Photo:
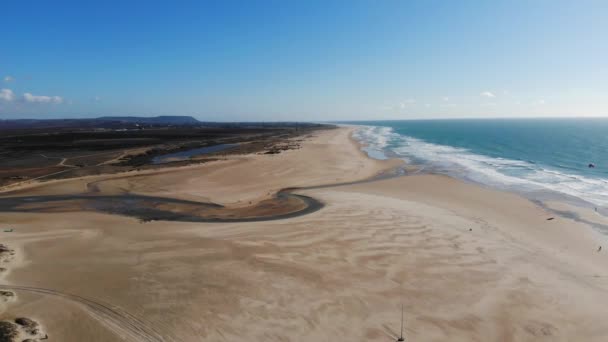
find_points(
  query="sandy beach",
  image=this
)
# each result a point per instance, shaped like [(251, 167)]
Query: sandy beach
[(466, 262)]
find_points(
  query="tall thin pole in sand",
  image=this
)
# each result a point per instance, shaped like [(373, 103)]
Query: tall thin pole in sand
[(401, 320), (401, 335)]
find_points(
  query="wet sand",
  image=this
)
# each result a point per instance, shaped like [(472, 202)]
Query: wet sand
[(467, 263)]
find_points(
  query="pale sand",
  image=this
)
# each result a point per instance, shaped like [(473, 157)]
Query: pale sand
[(339, 273)]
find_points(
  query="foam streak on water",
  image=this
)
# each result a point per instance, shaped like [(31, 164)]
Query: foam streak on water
[(525, 176)]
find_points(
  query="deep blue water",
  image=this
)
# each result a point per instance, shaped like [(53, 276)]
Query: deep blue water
[(525, 154)]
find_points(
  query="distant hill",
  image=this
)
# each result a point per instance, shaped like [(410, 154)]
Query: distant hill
[(135, 122), (101, 122), (165, 119)]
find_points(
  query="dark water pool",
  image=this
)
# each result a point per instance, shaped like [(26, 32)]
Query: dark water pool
[(184, 155)]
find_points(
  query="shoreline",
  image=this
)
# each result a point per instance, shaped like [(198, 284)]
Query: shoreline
[(467, 263), (476, 172), (555, 203), (570, 206)]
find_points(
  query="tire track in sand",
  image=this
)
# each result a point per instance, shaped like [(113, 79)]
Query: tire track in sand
[(119, 321)]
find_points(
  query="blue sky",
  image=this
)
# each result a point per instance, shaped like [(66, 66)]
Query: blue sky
[(304, 60)]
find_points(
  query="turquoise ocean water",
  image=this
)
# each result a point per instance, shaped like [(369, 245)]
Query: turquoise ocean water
[(538, 157)]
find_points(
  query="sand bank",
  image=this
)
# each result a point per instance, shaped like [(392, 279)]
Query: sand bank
[(467, 263)]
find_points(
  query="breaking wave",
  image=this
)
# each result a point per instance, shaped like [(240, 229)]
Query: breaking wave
[(383, 142)]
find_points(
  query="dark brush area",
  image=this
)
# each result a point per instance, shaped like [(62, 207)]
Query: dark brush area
[(51, 149)]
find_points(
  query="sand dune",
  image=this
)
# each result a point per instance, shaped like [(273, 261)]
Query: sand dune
[(467, 263)]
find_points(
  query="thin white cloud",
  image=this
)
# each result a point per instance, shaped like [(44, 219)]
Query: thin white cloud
[(8, 78), (401, 105), (7, 95), (445, 98), (407, 102), (487, 94), (540, 102), (97, 98), (28, 97)]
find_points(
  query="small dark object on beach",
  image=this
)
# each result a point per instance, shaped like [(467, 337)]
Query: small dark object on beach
[(8, 331), (470, 229), (30, 326), (591, 165), (26, 322), (4, 293), (599, 249), (550, 218)]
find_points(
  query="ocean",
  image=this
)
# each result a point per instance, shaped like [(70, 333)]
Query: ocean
[(539, 158)]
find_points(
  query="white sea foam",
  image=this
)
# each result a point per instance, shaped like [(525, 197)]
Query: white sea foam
[(497, 172), (375, 140)]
